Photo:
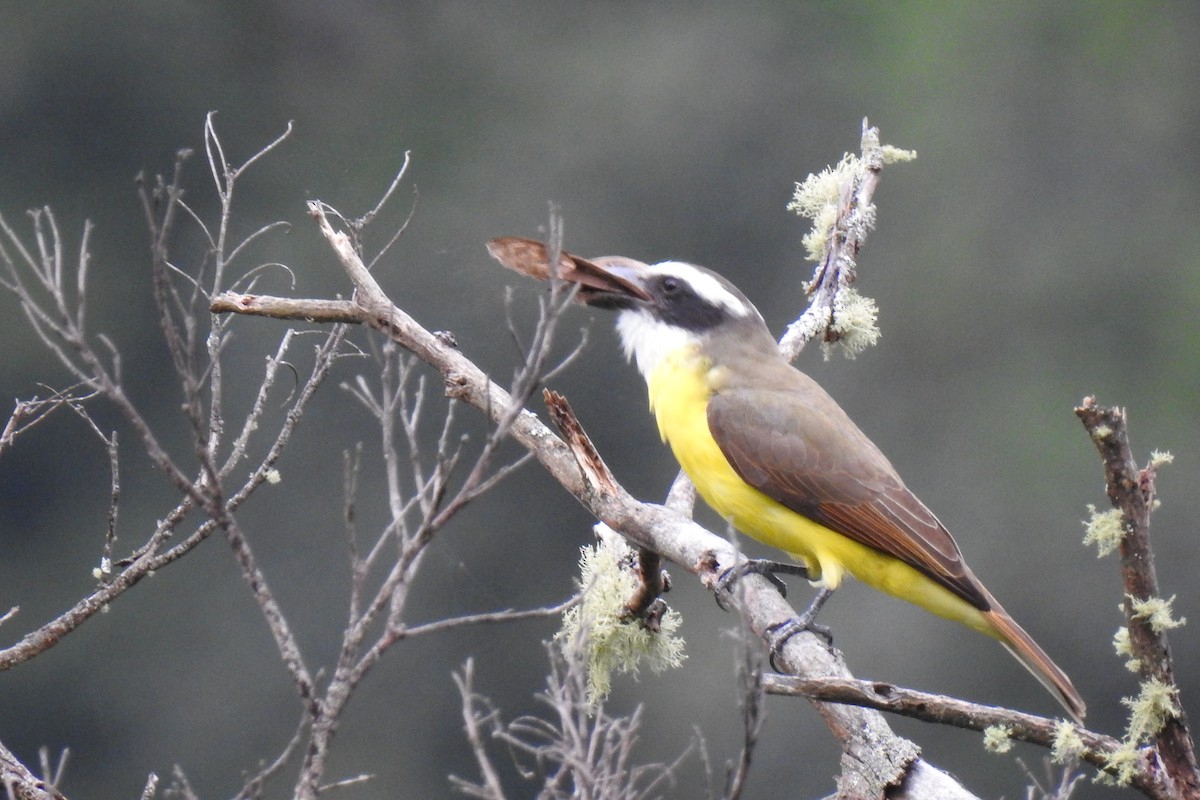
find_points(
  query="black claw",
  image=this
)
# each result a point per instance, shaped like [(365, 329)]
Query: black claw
[(758, 566), (780, 634)]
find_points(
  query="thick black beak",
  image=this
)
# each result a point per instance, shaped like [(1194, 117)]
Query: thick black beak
[(607, 282)]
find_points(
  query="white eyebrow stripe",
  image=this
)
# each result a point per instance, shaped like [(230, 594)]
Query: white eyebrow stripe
[(706, 286)]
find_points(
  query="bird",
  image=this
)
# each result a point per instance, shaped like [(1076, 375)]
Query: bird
[(772, 452)]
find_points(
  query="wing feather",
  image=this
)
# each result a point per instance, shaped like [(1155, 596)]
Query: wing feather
[(797, 446)]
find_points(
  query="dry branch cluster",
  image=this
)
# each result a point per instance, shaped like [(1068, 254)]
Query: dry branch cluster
[(577, 749)]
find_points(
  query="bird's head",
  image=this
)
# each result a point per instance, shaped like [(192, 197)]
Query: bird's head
[(660, 307)]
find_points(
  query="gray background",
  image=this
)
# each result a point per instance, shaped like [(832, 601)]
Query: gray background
[(1042, 247)]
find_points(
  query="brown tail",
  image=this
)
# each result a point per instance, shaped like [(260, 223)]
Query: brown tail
[(1022, 645)]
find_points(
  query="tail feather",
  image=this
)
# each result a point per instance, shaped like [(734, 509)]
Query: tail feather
[(1021, 644)]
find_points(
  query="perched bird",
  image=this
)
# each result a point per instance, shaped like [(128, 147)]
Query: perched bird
[(772, 452)]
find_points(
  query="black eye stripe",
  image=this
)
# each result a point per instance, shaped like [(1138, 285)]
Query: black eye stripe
[(680, 305)]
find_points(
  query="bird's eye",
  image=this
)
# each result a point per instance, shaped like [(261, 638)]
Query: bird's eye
[(670, 285)]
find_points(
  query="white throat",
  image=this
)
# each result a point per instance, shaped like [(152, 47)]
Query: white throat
[(647, 341)]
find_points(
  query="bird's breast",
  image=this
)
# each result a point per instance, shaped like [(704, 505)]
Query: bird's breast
[(680, 387)]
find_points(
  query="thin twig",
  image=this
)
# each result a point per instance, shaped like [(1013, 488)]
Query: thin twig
[(114, 505), (486, 618), (89, 368), (750, 679), (253, 786), (151, 787), (473, 722)]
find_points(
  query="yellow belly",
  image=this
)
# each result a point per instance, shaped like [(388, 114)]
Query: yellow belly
[(679, 397)]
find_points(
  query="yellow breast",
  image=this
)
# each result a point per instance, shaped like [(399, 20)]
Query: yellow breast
[(680, 387)]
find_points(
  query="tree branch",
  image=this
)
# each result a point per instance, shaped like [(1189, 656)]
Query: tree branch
[(1131, 490), (942, 710)]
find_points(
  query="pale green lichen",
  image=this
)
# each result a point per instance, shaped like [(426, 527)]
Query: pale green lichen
[(897, 155), (598, 629), (1067, 746), (1124, 647), (855, 321), (1159, 458), (1105, 529), (105, 569), (1122, 765), (817, 198), (823, 188), (997, 738), (829, 198), (1157, 613), (1149, 711), (817, 238)]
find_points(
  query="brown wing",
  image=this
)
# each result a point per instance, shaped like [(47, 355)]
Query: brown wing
[(796, 445)]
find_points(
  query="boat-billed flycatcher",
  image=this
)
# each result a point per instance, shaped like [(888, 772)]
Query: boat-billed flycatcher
[(772, 453)]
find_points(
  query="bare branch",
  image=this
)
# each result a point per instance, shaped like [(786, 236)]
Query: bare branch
[(147, 558), (270, 227), (366, 218), (151, 787), (53, 775), (577, 751), (488, 618), (19, 782), (289, 648), (473, 720), (939, 709), (254, 785), (288, 308), (750, 679), (1061, 789), (237, 451), (28, 413), (180, 785), (114, 505), (267, 149), (352, 781)]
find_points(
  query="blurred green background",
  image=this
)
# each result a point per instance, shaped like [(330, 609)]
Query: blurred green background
[(1043, 247)]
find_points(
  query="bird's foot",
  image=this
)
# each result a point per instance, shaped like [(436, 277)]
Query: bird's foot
[(778, 635), (758, 566)]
